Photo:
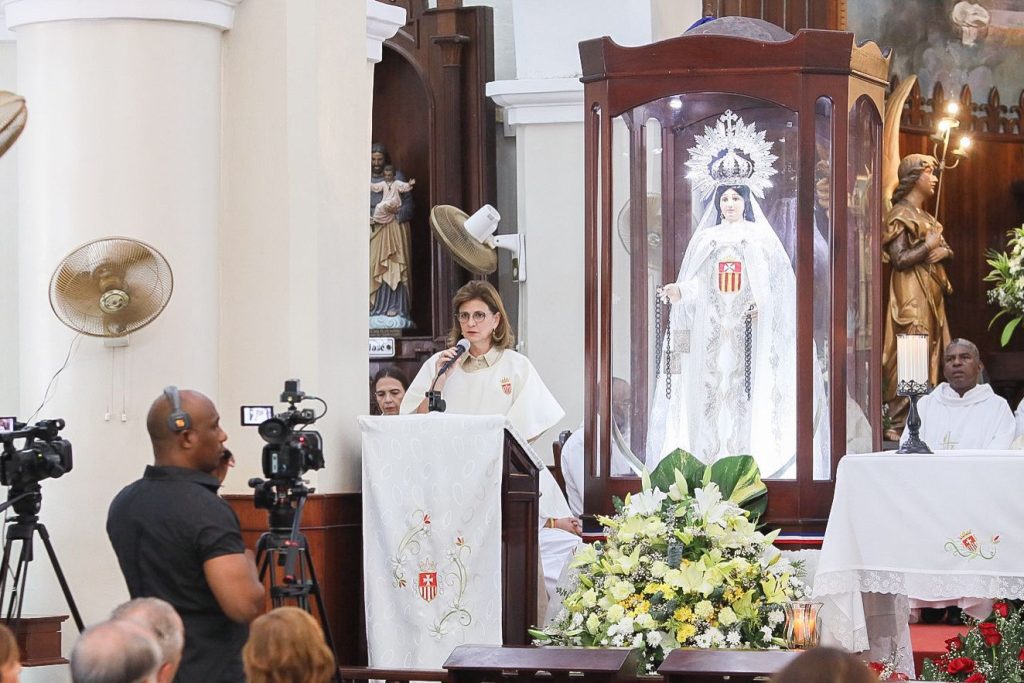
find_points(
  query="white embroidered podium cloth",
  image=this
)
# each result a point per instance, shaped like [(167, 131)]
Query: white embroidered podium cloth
[(935, 527), (431, 535)]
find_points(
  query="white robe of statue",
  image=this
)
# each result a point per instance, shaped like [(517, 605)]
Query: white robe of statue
[(703, 401)]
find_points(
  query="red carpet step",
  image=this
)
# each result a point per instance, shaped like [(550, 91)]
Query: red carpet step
[(929, 641)]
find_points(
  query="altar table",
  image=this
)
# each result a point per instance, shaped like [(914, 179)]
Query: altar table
[(935, 527)]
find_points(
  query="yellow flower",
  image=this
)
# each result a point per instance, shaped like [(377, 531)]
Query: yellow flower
[(621, 590), (704, 610), (616, 612), (593, 623), (683, 614), (642, 607), (589, 598), (726, 617), (685, 632)]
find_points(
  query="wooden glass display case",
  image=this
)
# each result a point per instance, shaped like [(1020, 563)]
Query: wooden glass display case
[(732, 250)]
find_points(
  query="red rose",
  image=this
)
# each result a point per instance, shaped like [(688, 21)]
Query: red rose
[(960, 665), (975, 677), (878, 667), (954, 643), (990, 633), (1020, 655), (899, 676), (1002, 609)]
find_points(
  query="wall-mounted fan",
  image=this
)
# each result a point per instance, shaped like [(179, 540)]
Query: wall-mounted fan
[(653, 232), (110, 287), (13, 115), (472, 241)]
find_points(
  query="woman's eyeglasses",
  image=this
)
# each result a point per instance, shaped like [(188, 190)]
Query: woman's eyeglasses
[(475, 316)]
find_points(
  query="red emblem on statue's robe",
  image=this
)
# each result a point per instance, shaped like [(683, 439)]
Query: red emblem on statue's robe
[(506, 386), (428, 585), (730, 276)]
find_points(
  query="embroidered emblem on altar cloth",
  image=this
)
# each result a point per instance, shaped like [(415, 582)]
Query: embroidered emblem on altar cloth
[(428, 580), (730, 276), (970, 547), (506, 386)]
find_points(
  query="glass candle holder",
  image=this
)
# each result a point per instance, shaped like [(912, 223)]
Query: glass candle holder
[(802, 630)]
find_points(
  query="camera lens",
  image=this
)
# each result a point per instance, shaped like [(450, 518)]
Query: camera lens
[(273, 429)]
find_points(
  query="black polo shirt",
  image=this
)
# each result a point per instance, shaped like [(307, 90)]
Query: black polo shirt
[(163, 528)]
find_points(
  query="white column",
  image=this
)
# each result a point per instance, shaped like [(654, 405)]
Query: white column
[(123, 139)]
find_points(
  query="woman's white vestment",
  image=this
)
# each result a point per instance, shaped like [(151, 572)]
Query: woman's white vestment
[(506, 383)]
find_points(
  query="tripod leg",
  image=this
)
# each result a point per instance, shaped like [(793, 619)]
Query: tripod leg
[(4, 567), (18, 578), (315, 589), (44, 534)]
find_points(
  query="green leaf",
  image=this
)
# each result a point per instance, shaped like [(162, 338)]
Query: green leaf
[(664, 475), (738, 478), (538, 635), (998, 315), (1008, 330)]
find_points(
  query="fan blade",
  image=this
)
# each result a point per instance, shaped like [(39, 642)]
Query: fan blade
[(13, 115)]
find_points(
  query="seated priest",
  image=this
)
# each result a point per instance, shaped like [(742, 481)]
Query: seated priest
[(493, 379), (624, 464), (961, 414)]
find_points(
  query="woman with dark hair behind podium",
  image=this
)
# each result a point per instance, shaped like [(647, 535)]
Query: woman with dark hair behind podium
[(493, 379), (388, 387)]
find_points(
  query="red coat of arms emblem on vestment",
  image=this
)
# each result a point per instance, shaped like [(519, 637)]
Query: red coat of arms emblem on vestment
[(506, 386), (730, 276)]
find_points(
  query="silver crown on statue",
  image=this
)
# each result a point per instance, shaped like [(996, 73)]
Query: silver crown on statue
[(731, 153)]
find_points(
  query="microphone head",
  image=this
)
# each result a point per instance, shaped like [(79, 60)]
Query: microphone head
[(462, 345)]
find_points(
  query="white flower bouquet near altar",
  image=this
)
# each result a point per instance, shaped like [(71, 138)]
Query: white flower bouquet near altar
[(683, 566), (1008, 275)]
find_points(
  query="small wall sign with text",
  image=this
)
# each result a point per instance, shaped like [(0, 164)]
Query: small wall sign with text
[(382, 347)]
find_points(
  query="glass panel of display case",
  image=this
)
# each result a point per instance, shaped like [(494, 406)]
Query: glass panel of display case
[(864, 209), (707, 338), (636, 272), (822, 234)]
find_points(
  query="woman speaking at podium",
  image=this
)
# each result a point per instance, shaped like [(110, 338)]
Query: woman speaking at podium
[(493, 379)]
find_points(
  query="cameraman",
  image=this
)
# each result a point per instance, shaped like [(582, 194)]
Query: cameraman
[(177, 540)]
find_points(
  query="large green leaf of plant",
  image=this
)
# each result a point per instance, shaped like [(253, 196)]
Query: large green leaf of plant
[(737, 476)]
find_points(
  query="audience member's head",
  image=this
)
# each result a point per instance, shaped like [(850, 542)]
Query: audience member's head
[(115, 651), (825, 665), (286, 645), (388, 387), (961, 365), (10, 657), (164, 623)]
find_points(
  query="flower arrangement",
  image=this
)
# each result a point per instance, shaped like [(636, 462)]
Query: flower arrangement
[(991, 651), (1008, 276), (683, 566)]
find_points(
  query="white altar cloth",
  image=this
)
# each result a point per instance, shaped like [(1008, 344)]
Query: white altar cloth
[(431, 536), (935, 527)]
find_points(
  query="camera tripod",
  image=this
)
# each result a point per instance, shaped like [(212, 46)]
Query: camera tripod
[(23, 528), (284, 560)]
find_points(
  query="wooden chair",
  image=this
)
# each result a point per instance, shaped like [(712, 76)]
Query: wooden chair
[(1006, 375)]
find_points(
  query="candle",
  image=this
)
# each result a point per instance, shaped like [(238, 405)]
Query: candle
[(912, 358), (802, 624)]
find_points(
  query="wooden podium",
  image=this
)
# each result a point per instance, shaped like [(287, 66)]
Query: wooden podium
[(429, 479)]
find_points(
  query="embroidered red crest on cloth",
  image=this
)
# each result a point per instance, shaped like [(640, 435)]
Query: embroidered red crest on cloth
[(428, 585), (506, 386), (730, 276)]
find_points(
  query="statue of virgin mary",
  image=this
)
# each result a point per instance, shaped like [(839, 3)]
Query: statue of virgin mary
[(727, 368)]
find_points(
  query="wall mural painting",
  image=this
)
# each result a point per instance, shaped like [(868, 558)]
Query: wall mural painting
[(953, 42)]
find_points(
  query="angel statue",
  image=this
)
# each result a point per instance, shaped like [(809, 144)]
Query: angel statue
[(916, 250), (727, 373)]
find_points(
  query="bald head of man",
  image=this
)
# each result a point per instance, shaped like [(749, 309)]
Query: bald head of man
[(117, 651), (198, 447)]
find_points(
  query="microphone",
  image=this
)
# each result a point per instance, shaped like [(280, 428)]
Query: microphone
[(460, 349), (436, 404)]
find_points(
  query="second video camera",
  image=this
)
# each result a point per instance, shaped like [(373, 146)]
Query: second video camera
[(291, 450), (43, 455)]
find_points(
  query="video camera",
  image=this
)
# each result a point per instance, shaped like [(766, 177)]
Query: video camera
[(42, 456)]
